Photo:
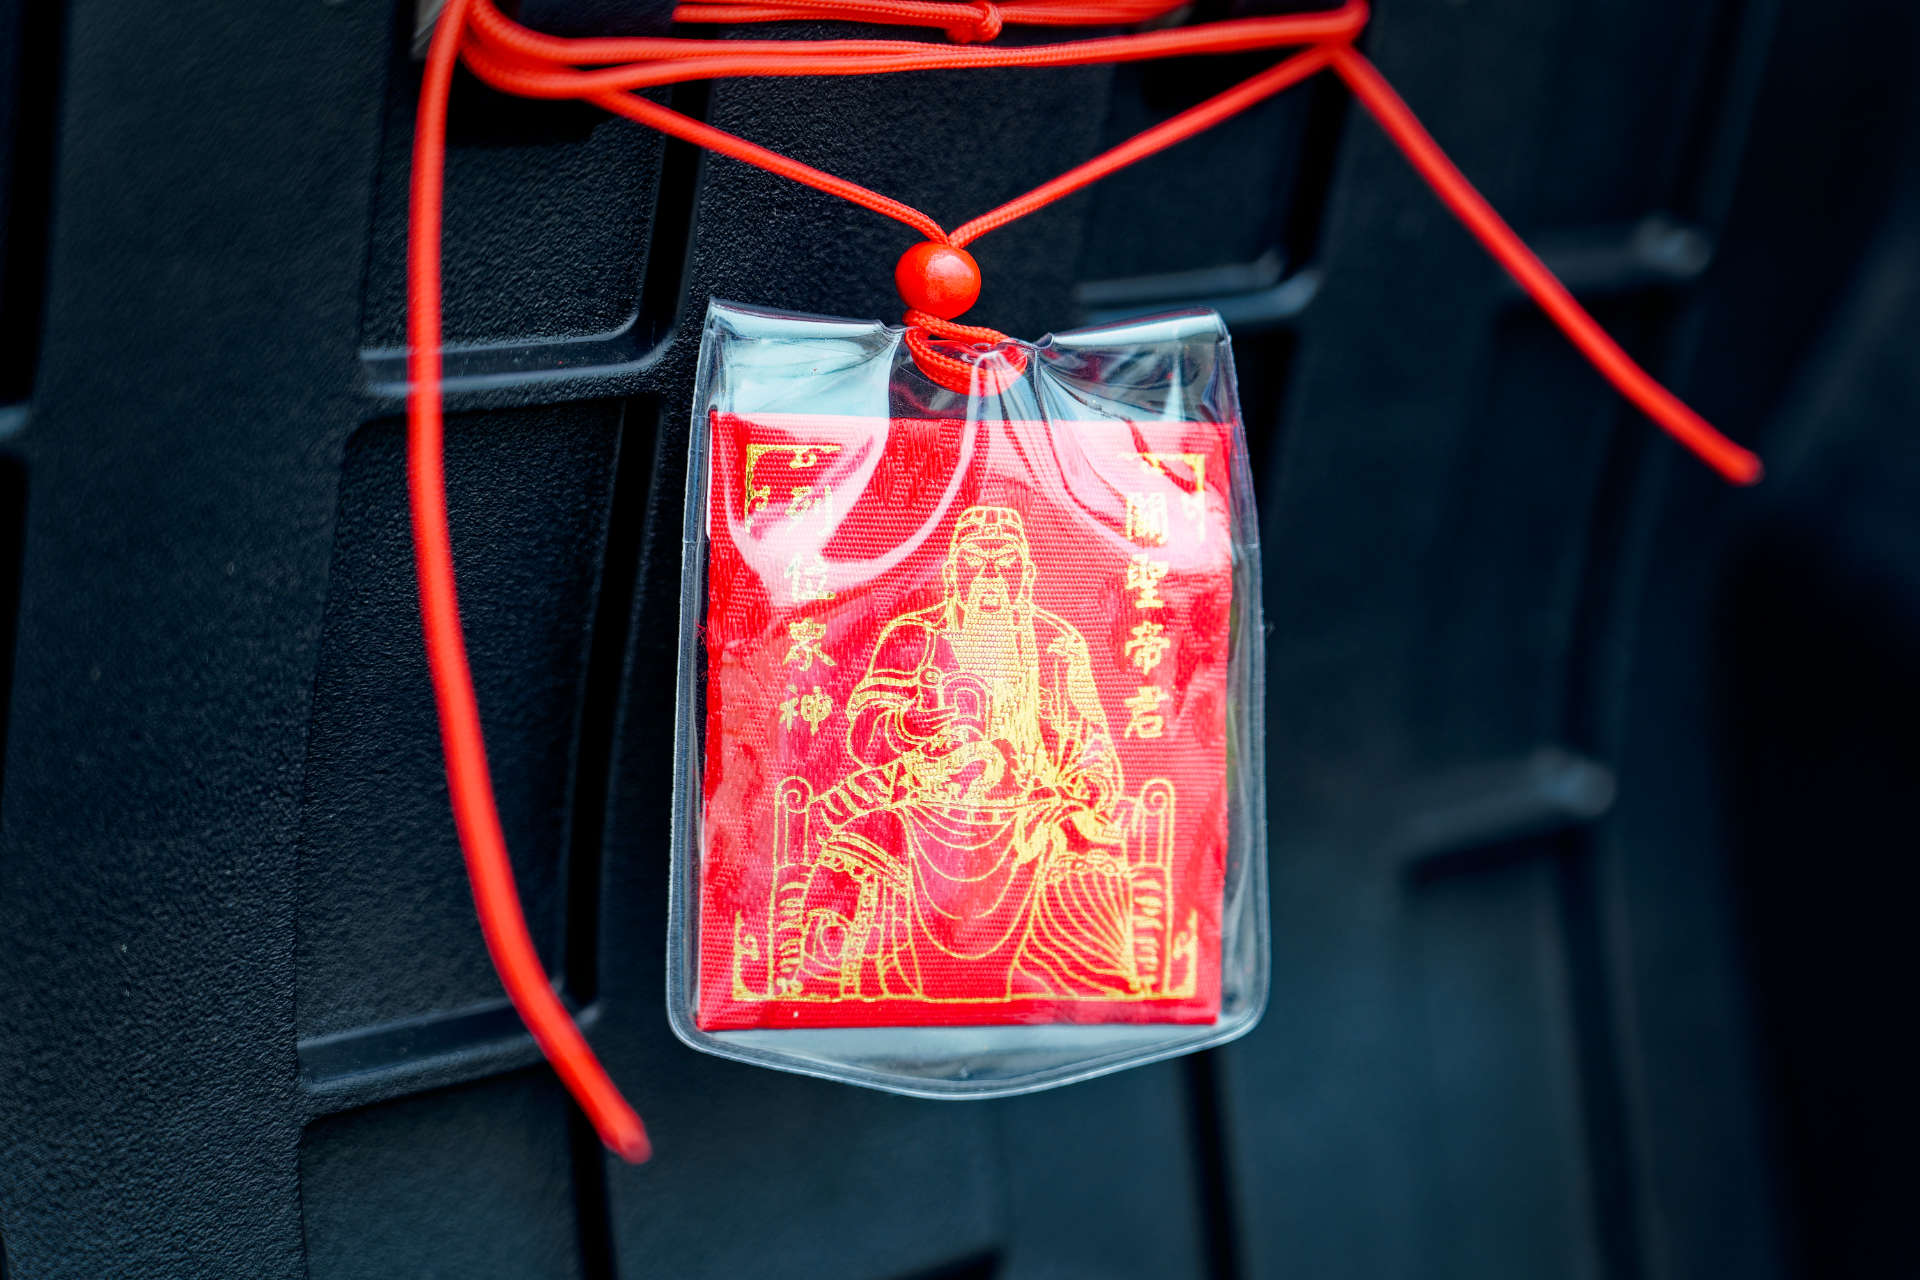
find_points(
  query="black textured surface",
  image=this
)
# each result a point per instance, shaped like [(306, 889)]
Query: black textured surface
[(414, 1158), (13, 512), (531, 487), (29, 87), (553, 200), (1589, 776)]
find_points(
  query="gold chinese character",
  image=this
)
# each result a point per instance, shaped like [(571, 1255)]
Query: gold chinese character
[(807, 578), (1148, 646), (1143, 713), (1147, 519), (1143, 576), (805, 499), (806, 635), (1192, 501), (813, 707), (799, 457)]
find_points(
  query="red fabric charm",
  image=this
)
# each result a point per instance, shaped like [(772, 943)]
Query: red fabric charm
[(966, 722)]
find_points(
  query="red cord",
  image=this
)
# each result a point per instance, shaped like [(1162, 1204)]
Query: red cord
[(468, 783), (1733, 462), (516, 60), (961, 22), (930, 340), (609, 71), (1161, 136)]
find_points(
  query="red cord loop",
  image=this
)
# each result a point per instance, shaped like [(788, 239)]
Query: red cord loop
[(969, 359)]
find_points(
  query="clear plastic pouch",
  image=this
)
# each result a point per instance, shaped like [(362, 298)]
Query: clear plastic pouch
[(969, 797)]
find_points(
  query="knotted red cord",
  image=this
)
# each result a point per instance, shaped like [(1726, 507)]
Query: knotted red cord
[(961, 22), (932, 340), (609, 71)]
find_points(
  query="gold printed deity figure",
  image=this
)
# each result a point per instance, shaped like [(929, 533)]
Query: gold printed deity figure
[(973, 854)]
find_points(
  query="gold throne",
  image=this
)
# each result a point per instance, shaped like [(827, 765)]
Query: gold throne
[(766, 963)]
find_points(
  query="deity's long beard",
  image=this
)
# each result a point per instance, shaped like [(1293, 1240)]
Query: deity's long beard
[(995, 644), (997, 648)]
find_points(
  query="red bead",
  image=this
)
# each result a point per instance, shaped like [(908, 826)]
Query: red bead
[(938, 279)]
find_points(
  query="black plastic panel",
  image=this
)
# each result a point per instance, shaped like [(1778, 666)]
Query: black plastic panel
[(13, 511), (1587, 775), (29, 86), (498, 1149), (529, 490)]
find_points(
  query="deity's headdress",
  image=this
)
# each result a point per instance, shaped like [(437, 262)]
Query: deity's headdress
[(988, 522)]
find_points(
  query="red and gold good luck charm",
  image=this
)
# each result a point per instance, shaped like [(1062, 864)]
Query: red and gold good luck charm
[(969, 700), (966, 708)]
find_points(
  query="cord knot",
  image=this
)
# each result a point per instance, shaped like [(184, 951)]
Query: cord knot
[(984, 361), (983, 28)]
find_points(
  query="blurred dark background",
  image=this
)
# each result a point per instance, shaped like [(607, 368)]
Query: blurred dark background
[(1591, 779)]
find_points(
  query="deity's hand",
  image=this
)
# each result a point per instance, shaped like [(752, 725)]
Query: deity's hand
[(1090, 791), (1042, 827), (923, 724), (937, 730)]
